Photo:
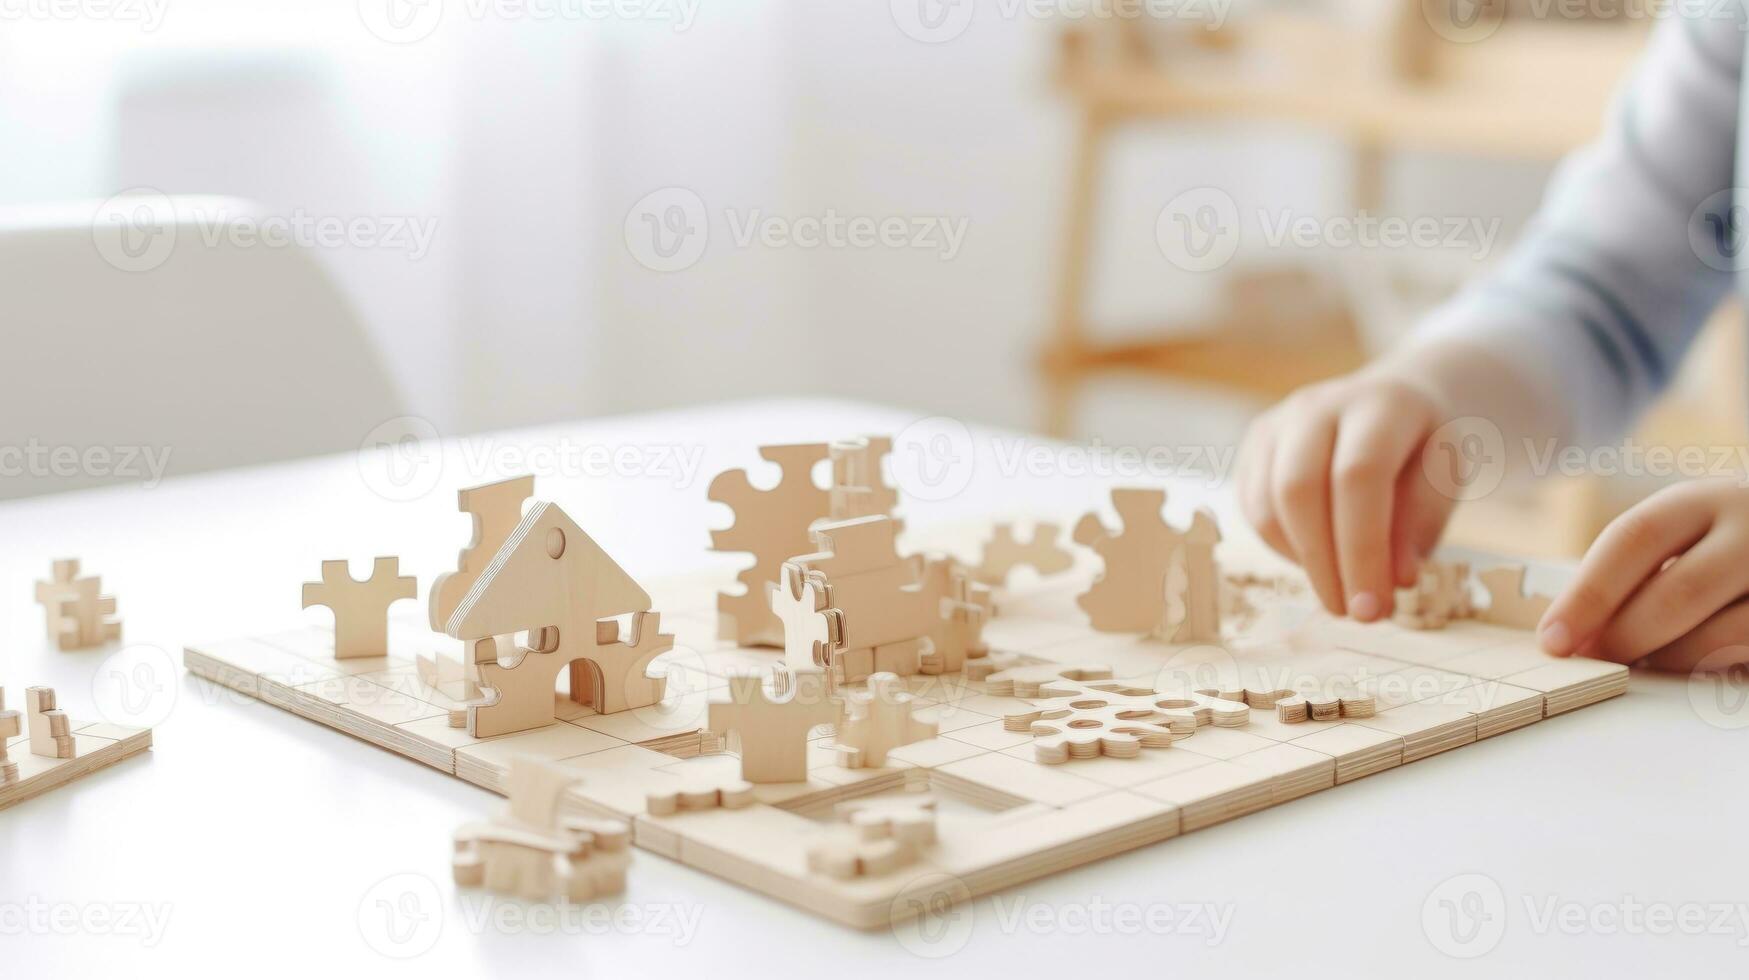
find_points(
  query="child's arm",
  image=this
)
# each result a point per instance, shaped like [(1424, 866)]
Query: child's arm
[(1568, 340)]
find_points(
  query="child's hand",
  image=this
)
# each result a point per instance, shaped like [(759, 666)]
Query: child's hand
[(1331, 478), (1663, 579)]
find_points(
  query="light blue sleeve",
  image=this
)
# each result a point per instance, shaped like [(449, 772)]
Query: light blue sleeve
[(1632, 248)]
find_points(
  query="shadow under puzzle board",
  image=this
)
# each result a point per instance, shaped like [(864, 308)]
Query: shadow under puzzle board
[(1003, 818), (97, 744)]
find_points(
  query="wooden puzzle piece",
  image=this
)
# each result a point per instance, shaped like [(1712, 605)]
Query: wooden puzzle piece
[(361, 609), (872, 723), (771, 525), (1508, 605), (813, 629), (1004, 552), (875, 837), (626, 657), (1200, 596), (887, 615), (496, 509), (530, 852), (51, 735), (1292, 707), (1441, 594), (774, 730), (10, 727), (553, 581), (1027, 680), (76, 614), (1086, 719), (858, 488), (962, 608), (1129, 596), (728, 796)]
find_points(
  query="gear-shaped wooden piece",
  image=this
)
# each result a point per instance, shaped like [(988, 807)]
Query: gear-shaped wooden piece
[(1086, 719)]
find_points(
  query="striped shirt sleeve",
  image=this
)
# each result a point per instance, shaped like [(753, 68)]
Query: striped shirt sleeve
[(1633, 246)]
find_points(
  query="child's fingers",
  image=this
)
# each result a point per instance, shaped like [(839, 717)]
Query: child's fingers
[(1628, 551), (1372, 441), (1725, 634), (1417, 521), (1684, 594), (1254, 488), (1300, 481)]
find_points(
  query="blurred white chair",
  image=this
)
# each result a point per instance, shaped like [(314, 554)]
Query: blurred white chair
[(139, 324)]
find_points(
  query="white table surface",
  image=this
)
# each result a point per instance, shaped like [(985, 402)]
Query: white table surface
[(265, 843)]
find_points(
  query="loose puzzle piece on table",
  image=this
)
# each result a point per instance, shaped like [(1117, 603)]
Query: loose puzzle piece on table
[(1005, 552), (1440, 595), (77, 615), (361, 609), (771, 525), (874, 837), (531, 852)]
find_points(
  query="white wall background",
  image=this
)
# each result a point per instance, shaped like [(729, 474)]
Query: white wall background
[(527, 139)]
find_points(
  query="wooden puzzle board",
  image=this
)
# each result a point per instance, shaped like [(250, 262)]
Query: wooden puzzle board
[(98, 744), (1004, 818)]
